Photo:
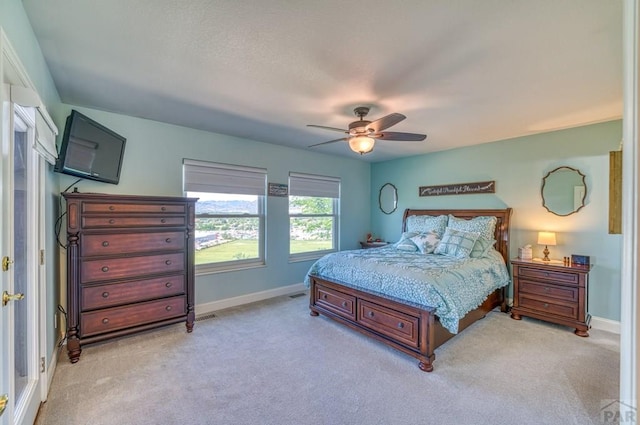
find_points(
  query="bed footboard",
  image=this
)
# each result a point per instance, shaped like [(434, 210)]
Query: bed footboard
[(414, 331)]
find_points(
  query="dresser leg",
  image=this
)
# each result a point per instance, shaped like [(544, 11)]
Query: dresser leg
[(581, 333), (73, 349), (314, 313), (425, 367), (515, 316)]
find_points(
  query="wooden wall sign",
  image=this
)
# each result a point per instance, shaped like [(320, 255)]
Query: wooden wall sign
[(458, 189), (277, 189)]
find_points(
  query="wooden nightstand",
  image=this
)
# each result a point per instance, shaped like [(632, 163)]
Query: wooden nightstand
[(552, 292), (367, 245)]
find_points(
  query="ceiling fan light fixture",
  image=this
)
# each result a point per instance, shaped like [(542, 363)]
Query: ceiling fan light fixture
[(361, 144)]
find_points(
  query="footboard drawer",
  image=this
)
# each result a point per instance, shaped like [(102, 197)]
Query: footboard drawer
[(399, 326), (335, 301)]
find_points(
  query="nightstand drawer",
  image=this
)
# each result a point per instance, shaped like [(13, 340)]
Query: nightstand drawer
[(569, 310), (570, 278), (568, 293)]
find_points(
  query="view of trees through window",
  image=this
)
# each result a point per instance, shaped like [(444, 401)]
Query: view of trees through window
[(311, 224)]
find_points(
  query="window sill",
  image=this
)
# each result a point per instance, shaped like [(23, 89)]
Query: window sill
[(206, 269), (311, 256)]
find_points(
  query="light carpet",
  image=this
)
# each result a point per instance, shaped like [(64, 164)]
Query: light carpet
[(272, 363)]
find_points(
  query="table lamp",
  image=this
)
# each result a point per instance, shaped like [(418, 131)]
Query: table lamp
[(546, 239)]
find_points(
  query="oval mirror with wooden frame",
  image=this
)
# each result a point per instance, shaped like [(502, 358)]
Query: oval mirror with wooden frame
[(564, 191)]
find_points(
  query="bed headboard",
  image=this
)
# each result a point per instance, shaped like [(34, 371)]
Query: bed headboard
[(502, 226)]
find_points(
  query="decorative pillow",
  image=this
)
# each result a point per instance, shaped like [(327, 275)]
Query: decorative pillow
[(456, 243), (485, 225), (405, 243), (481, 247), (426, 242), (427, 223)]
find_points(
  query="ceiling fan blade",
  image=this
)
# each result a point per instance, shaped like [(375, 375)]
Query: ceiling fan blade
[(385, 122), (394, 135), (341, 130), (330, 141)]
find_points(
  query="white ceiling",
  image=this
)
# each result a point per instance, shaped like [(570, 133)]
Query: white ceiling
[(462, 71)]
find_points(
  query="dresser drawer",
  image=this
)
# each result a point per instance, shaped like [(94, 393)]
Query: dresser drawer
[(112, 319), (109, 295), (119, 268), (547, 306), (116, 207), (569, 278), (109, 244), (389, 322), (568, 293), (128, 221), (336, 301)]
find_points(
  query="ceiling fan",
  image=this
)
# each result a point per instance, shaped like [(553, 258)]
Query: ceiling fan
[(362, 134)]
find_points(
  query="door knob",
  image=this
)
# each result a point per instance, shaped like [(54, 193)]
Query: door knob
[(4, 399), (5, 263), (6, 297)]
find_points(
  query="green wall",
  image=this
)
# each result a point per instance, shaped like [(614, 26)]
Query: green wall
[(518, 166)]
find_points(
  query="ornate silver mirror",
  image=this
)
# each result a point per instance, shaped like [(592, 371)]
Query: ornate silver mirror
[(564, 191), (388, 198)]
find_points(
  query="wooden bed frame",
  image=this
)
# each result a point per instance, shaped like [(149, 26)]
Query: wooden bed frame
[(412, 330)]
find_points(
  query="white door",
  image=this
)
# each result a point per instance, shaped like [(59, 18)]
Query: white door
[(20, 379)]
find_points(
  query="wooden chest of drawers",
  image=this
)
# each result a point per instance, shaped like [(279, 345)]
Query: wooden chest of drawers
[(129, 265), (552, 292)]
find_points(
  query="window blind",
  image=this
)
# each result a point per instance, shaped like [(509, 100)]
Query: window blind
[(313, 185), (202, 176)]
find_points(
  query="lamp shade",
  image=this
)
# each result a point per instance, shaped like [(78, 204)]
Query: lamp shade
[(546, 238), (361, 144)]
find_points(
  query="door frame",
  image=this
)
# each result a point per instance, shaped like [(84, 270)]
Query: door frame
[(13, 72)]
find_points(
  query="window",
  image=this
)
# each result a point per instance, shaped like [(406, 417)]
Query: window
[(313, 215), (229, 214)]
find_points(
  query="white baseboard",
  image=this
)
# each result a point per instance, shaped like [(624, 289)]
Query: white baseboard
[(603, 324), (210, 307)]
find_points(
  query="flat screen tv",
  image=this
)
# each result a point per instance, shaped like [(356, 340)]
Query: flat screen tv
[(90, 150)]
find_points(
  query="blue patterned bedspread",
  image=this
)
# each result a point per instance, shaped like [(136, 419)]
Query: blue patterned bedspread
[(450, 286)]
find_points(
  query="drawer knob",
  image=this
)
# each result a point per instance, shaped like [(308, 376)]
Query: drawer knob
[(546, 305), (324, 296), (547, 289), (546, 274), (370, 314), (168, 240), (105, 295), (400, 325), (344, 304), (163, 208), (112, 221), (168, 284), (168, 308), (105, 321), (162, 220), (105, 244), (105, 269), (168, 262), (111, 208)]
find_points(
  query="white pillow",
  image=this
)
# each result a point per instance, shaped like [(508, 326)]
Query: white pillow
[(426, 242)]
